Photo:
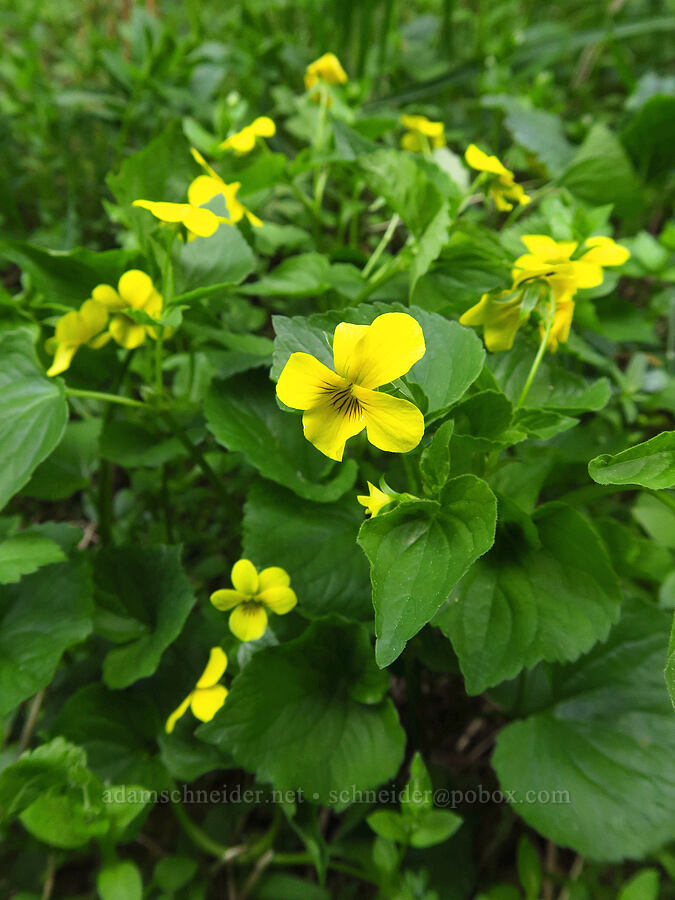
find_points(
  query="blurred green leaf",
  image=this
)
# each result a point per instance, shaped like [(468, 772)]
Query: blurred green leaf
[(33, 412)]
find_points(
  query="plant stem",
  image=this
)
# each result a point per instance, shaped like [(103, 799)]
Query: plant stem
[(159, 384), (29, 724), (239, 855), (200, 838), (378, 251), (109, 398), (304, 859), (538, 358)]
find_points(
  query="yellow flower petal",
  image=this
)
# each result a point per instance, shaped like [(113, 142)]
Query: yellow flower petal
[(605, 252), (375, 500), (587, 274), (201, 222), (481, 161), (279, 599), (153, 304), (226, 598), (198, 158), (273, 577), (304, 381), (126, 332), (135, 288), (100, 341), (166, 212), (329, 427), (391, 423), (500, 320), (235, 208), (345, 339), (264, 127), (390, 347), (177, 713), (548, 250), (562, 321), (248, 622), (244, 577), (94, 317), (108, 296), (242, 142), (326, 68), (253, 219), (214, 668), (500, 201), (412, 142), (62, 358), (424, 126), (203, 189), (206, 702)]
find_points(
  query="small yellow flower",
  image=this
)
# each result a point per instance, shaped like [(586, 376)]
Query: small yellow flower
[(374, 500), (245, 140), (254, 592), (549, 265), (339, 403), (326, 68), (551, 261), (202, 222), (422, 134), (79, 328), (208, 696), (135, 290), (503, 188), (500, 318)]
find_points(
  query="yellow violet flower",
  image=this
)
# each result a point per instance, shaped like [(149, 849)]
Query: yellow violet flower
[(326, 68), (374, 500), (135, 290), (422, 134), (503, 188), (245, 140), (202, 222), (79, 328), (208, 696), (254, 593), (500, 318), (551, 261), (339, 403)]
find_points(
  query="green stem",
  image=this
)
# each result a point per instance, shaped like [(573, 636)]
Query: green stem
[(200, 838), (320, 174), (109, 398), (383, 274), (379, 250), (196, 455), (538, 358), (304, 859), (159, 383), (240, 856)]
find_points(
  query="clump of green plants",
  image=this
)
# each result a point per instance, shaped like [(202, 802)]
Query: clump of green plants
[(338, 523)]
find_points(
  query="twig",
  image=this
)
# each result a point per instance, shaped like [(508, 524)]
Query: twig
[(50, 875), (550, 865), (258, 869), (575, 872)]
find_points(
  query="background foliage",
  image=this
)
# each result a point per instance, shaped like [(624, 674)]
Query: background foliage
[(536, 539)]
